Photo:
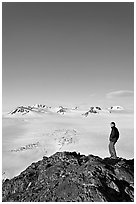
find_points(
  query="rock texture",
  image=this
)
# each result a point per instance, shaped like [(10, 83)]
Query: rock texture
[(68, 176)]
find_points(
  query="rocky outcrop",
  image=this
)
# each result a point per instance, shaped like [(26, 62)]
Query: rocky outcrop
[(68, 176), (26, 147)]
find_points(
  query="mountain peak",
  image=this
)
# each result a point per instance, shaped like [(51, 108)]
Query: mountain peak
[(70, 176)]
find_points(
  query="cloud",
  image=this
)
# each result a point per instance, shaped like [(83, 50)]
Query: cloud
[(120, 94)]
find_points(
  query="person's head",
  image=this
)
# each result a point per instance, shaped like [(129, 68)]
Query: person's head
[(112, 124)]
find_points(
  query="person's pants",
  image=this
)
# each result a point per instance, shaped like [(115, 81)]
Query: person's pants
[(112, 149)]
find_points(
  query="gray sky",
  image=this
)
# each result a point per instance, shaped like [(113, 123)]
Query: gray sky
[(67, 54)]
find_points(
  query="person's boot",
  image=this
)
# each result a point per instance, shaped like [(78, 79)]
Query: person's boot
[(115, 157)]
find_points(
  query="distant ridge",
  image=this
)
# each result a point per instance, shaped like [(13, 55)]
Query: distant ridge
[(39, 110)]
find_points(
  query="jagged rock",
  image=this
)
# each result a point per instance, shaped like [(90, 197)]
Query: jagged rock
[(69, 177)]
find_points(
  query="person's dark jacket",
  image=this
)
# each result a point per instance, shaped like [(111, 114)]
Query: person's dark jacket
[(114, 134)]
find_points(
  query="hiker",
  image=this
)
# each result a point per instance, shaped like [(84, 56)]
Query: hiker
[(113, 139)]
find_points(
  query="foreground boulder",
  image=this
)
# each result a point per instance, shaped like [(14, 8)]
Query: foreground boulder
[(68, 176)]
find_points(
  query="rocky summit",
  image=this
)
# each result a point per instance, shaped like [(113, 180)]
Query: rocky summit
[(69, 177)]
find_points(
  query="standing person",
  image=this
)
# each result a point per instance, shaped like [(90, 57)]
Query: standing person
[(114, 135)]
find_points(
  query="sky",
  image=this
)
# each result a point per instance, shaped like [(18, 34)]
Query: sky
[(66, 53)]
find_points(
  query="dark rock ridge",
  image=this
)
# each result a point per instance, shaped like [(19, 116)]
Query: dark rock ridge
[(68, 176)]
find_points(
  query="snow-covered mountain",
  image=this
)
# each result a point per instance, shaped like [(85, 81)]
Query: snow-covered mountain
[(40, 109), (40, 106), (116, 108), (29, 111)]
